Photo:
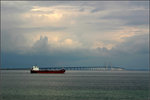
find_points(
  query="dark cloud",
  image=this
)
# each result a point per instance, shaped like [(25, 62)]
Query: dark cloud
[(75, 58), (41, 46), (139, 4), (137, 17), (134, 45), (13, 42), (13, 9), (95, 10), (47, 28), (72, 58), (133, 52), (28, 30)]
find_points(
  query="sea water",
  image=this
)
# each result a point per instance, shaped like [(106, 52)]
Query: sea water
[(74, 85)]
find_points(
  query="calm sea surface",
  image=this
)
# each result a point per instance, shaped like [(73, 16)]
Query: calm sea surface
[(74, 85)]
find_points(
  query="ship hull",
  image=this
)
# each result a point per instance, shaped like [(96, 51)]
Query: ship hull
[(48, 71)]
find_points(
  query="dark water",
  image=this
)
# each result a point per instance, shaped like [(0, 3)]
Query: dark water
[(74, 85)]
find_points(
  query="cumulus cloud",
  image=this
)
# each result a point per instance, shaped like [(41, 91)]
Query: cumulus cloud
[(134, 45), (76, 33), (41, 45)]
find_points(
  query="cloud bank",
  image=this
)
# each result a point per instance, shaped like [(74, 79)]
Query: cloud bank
[(84, 33)]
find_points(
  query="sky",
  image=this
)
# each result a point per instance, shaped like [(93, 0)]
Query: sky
[(75, 33)]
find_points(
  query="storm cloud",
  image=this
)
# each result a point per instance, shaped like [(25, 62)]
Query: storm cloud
[(84, 33)]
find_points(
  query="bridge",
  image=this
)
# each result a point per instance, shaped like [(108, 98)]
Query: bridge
[(104, 68)]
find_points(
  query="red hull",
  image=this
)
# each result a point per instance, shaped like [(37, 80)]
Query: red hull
[(48, 71)]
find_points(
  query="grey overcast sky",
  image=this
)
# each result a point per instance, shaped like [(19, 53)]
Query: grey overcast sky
[(81, 33)]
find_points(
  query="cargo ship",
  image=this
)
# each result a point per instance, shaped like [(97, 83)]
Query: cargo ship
[(35, 69)]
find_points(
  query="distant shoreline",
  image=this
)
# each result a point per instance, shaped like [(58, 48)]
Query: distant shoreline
[(15, 68), (72, 69)]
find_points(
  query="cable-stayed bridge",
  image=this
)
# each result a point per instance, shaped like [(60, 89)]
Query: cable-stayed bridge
[(104, 68)]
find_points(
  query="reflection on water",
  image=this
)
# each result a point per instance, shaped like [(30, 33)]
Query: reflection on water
[(74, 85)]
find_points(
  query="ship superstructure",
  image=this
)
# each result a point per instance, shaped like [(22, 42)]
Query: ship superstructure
[(36, 69)]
